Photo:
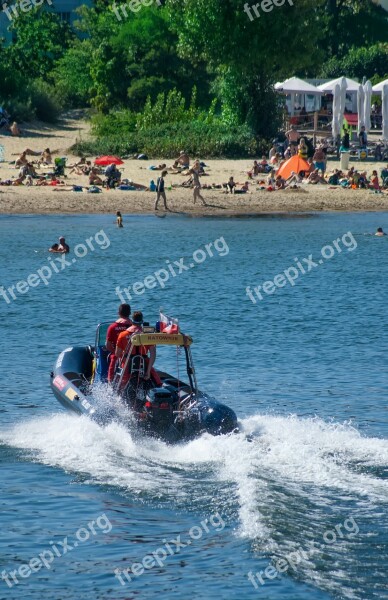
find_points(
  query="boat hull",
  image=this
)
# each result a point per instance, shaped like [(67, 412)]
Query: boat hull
[(71, 384)]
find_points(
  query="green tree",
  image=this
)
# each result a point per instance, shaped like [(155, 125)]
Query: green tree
[(354, 23), (359, 62), (136, 57), (249, 55), (41, 38), (73, 74)]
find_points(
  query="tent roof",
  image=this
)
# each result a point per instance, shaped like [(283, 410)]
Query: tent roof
[(294, 85), (377, 89), (328, 88)]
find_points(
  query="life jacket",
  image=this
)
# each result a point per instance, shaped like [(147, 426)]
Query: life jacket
[(137, 350)]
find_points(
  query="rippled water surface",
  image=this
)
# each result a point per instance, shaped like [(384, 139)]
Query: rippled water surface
[(298, 499)]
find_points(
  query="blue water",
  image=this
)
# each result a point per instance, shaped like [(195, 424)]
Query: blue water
[(305, 368)]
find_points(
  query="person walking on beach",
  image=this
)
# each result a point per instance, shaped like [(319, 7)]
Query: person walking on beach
[(197, 184), (160, 193)]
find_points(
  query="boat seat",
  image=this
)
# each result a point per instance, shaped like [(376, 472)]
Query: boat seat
[(102, 362)]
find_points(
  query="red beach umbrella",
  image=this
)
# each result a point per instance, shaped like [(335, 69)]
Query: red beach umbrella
[(108, 160)]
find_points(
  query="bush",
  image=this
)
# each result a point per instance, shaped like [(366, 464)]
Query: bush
[(44, 101), (197, 138), (359, 62), (35, 101)]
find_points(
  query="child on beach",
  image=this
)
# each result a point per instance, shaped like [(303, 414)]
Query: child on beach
[(374, 184)]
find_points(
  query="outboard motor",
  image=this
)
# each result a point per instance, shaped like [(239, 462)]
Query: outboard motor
[(158, 409), (218, 419)]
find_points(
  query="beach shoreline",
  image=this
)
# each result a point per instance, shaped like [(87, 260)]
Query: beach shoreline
[(49, 200)]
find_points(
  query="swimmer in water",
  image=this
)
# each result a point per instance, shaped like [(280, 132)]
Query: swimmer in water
[(119, 219), (380, 232), (61, 248)]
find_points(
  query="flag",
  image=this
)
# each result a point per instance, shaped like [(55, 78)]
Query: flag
[(168, 324)]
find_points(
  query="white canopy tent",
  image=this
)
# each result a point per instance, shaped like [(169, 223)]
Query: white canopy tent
[(378, 89), (385, 112), (329, 86), (295, 87)]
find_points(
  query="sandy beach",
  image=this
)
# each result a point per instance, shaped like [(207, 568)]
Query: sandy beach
[(38, 136)]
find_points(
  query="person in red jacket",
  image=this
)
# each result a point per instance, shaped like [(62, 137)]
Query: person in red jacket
[(112, 334), (121, 346)]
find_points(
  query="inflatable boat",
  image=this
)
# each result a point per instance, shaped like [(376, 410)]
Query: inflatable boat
[(172, 410)]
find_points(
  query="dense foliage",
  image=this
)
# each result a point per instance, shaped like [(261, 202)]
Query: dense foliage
[(196, 74)]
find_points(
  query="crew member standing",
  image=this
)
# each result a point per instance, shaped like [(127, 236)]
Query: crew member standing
[(112, 334), (121, 346)]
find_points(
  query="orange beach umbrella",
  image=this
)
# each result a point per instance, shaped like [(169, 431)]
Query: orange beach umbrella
[(296, 164)]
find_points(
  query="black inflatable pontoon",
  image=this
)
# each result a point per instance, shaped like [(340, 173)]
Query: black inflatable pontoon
[(173, 411)]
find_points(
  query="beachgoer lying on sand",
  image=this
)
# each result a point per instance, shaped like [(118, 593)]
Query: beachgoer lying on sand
[(22, 160), (138, 186), (46, 158), (14, 129), (335, 177), (230, 186), (316, 177), (84, 169), (280, 183), (158, 168), (293, 179), (270, 179), (32, 152), (42, 181), (81, 161), (27, 170), (183, 161), (243, 189), (94, 178), (254, 171), (211, 186)]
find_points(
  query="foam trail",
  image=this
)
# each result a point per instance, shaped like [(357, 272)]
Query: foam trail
[(282, 481), (308, 455)]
